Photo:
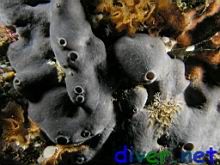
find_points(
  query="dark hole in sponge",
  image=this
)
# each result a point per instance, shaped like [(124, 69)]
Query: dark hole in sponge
[(17, 82), (34, 3), (163, 140), (218, 107), (150, 76), (73, 55), (188, 147), (62, 42), (80, 99), (62, 140), (78, 90), (85, 134), (134, 110), (80, 159), (194, 97)]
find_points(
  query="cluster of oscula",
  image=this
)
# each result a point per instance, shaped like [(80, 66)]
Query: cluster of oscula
[(81, 90)]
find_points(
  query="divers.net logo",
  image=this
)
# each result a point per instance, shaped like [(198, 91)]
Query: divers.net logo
[(129, 156)]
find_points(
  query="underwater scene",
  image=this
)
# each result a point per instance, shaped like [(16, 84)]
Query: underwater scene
[(109, 82)]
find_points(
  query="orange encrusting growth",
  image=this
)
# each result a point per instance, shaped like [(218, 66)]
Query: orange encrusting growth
[(15, 130), (195, 74), (138, 15), (193, 19), (212, 58), (53, 160), (128, 15), (172, 16), (216, 40), (6, 36)]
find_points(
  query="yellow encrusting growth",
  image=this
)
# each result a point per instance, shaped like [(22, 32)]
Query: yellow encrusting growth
[(5, 76), (130, 15), (162, 113), (59, 68)]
